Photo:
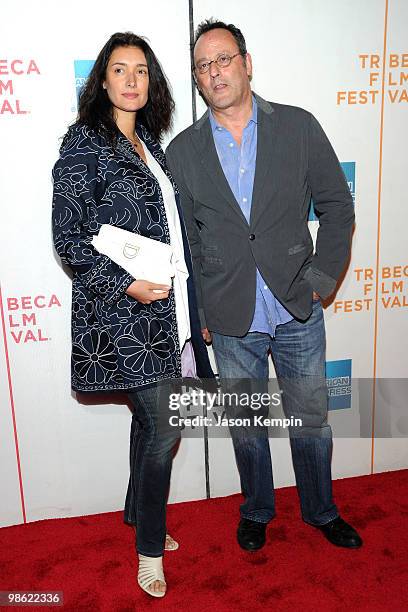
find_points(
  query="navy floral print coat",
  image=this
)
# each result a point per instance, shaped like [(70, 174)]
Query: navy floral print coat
[(117, 342)]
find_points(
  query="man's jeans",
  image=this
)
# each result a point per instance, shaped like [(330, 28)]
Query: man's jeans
[(152, 442), (298, 353)]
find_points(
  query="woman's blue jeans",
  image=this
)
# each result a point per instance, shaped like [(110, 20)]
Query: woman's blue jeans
[(152, 444), (298, 352)]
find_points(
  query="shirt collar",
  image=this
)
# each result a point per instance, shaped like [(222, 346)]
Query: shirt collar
[(253, 118)]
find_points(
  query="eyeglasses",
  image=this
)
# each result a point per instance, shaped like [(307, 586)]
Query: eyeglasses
[(223, 60)]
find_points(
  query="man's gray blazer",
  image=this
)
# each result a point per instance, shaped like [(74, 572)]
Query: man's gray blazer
[(294, 162)]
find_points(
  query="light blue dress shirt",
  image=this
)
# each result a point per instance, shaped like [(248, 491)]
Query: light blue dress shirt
[(238, 164)]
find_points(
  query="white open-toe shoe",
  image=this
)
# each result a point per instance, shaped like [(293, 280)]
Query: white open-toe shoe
[(170, 544), (150, 569)]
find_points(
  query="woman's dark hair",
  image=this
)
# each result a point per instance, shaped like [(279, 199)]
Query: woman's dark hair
[(95, 109), (212, 24)]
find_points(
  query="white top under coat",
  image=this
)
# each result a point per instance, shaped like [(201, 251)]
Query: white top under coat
[(176, 241)]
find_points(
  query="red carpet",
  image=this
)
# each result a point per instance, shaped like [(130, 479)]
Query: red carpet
[(92, 560)]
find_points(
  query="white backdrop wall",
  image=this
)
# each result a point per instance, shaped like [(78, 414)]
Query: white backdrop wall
[(347, 62)]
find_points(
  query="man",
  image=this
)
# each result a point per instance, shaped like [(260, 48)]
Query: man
[(246, 172)]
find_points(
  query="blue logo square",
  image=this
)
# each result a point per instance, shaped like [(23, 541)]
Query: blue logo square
[(82, 69), (338, 379), (349, 169)]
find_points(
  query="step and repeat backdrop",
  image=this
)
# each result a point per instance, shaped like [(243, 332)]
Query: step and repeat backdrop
[(346, 62)]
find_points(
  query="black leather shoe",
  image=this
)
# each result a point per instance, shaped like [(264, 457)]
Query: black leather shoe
[(340, 533), (251, 534)]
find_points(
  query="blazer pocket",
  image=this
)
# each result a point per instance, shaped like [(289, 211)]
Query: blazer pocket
[(211, 260), (296, 249), (210, 256)]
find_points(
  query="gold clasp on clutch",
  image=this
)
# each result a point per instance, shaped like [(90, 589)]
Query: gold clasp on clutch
[(130, 250)]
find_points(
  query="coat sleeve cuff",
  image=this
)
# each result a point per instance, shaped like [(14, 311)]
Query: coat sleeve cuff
[(321, 283), (121, 287), (107, 280)]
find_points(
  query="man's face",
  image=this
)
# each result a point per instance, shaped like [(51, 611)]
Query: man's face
[(226, 87)]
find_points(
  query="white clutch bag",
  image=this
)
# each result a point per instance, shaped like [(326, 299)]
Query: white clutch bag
[(144, 258)]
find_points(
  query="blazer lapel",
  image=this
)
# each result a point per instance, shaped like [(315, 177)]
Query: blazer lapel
[(204, 143), (265, 154)]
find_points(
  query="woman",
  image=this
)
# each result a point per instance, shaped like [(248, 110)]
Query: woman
[(128, 334)]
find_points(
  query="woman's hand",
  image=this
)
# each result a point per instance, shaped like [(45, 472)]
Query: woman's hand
[(146, 292)]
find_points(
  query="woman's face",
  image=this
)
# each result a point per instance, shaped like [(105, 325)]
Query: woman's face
[(127, 79)]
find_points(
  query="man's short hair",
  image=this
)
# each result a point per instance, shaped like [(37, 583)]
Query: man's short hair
[(211, 24)]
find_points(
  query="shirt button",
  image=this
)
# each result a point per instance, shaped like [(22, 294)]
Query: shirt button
[(244, 199), (252, 236), (231, 144), (242, 170), (265, 286)]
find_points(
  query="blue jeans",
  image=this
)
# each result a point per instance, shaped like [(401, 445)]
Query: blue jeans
[(152, 444), (298, 353)]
